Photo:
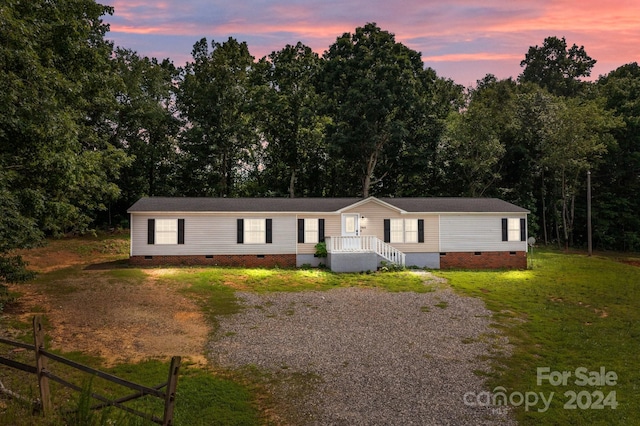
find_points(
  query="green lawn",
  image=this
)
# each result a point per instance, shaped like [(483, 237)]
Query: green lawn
[(568, 312), (215, 287)]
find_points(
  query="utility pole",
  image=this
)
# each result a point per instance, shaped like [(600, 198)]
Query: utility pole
[(589, 240)]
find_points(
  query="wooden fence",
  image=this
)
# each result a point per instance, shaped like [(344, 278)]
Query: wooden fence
[(44, 375)]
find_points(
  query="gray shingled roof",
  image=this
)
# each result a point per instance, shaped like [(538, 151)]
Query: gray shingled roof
[(422, 205), (454, 205)]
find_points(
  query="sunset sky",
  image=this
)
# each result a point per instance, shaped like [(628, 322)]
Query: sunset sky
[(461, 39)]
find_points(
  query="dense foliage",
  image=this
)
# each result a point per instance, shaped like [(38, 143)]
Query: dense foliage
[(86, 128), (57, 91)]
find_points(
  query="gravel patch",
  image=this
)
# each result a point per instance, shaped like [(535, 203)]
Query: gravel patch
[(379, 357)]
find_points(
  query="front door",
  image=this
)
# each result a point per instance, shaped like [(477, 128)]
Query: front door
[(351, 230)]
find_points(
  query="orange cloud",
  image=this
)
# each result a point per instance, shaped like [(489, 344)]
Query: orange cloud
[(479, 56), (575, 19), (458, 33)]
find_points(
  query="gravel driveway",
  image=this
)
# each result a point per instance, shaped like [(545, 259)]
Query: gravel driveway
[(370, 357)]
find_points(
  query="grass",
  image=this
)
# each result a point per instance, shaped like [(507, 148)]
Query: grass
[(204, 397), (274, 280), (570, 311), (442, 305), (216, 288), (284, 386), (129, 276)]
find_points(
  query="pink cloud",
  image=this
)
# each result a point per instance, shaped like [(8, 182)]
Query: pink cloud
[(456, 32), (479, 56)]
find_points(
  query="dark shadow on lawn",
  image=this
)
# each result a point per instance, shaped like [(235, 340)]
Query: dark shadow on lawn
[(115, 264)]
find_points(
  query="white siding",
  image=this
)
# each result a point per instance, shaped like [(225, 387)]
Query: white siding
[(476, 232), (331, 228), (216, 233), (210, 234), (373, 224)]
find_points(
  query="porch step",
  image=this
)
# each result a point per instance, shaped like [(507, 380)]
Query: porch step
[(390, 253)]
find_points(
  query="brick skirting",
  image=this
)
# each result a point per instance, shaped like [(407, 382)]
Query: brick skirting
[(267, 260), (450, 260), (484, 260)]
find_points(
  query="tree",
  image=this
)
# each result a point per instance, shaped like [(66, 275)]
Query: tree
[(419, 170), (292, 124), (16, 231), (147, 125), (472, 149), (617, 179), (581, 138), (525, 178), (555, 68), (57, 87), (214, 97), (370, 83), (559, 139)]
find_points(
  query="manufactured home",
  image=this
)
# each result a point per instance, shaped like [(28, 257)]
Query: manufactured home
[(360, 234)]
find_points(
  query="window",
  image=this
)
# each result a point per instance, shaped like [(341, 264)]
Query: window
[(166, 231), (350, 224), (411, 230), (396, 231), (254, 231), (311, 231), (404, 230), (514, 229)]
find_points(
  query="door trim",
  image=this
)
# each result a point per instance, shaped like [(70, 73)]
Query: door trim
[(350, 220)]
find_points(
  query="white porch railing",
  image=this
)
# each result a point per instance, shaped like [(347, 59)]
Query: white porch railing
[(365, 244)]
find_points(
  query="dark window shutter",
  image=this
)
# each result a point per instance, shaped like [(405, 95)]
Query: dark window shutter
[(151, 231), (301, 231), (387, 230), (421, 230), (505, 232), (180, 231), (523, 229), (240, 231), (269, 231), (321, 230)]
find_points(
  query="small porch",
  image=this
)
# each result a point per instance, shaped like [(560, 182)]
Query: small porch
[(360, 253)]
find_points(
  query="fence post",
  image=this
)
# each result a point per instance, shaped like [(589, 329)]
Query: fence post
[(41, 365), (170, 395)]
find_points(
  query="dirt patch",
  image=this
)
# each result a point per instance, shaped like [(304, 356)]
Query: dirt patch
[(120, 320), (43, 260)]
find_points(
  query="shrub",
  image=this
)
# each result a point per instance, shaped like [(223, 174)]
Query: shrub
[(321, 249), (390, 267)]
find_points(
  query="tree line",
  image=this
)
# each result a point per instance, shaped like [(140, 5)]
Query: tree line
[(87, 128)]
